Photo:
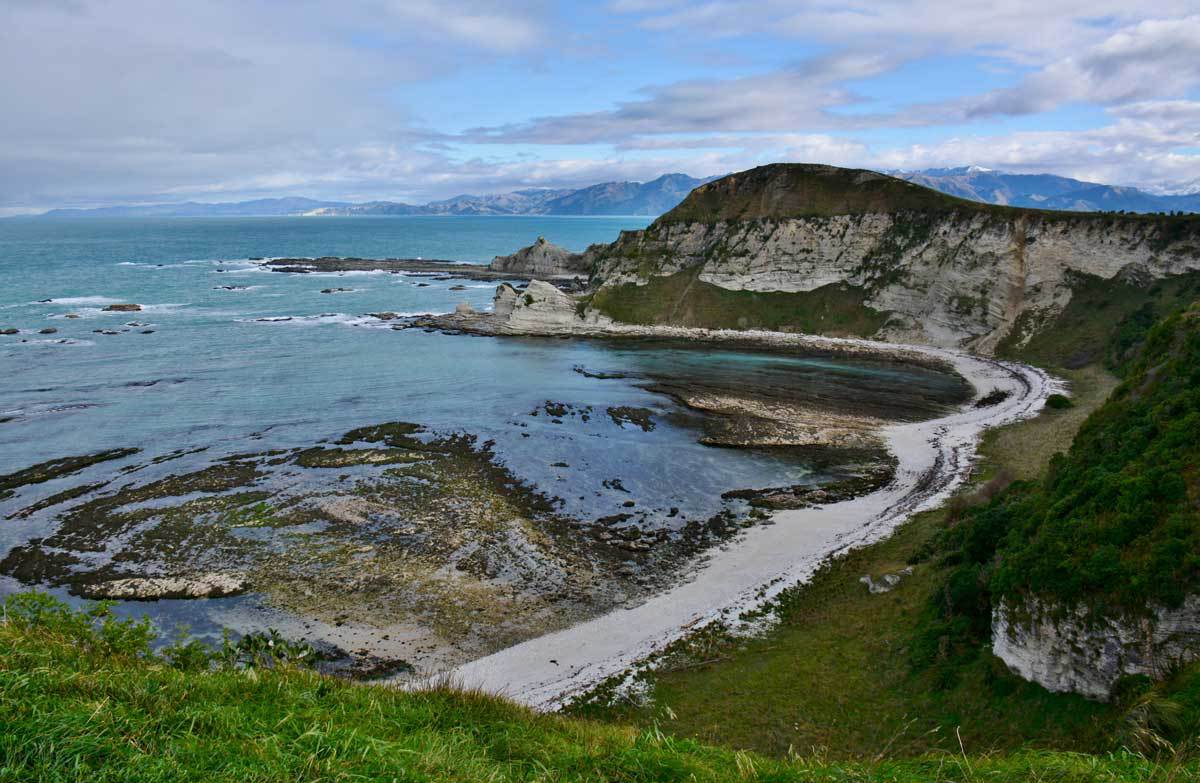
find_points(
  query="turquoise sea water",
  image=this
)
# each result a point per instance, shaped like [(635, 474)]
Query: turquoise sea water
[(200, 370)]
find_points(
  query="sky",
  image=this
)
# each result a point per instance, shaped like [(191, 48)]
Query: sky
[(139, 101)]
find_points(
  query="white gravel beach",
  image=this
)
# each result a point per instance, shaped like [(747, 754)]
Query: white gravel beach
[(933, 457)]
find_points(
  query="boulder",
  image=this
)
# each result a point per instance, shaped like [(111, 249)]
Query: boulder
[(123, 308)]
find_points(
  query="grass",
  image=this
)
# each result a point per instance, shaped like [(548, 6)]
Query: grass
[(1102, 325), (1023, 451), (791, 190), (83, 699), (835, 675), (683, 300)]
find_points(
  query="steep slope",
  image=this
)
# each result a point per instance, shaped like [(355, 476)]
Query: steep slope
[(1093, 573), (846, 251)]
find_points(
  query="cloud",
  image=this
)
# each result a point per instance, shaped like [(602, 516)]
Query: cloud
[(1031, 31), (1149, 60), (802, 95), (126, 99)]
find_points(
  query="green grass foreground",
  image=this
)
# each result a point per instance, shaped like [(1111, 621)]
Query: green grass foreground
[(83, 698)]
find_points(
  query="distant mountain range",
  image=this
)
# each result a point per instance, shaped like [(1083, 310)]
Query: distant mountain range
[(1043, 191), (1046, 191), (609, 198)]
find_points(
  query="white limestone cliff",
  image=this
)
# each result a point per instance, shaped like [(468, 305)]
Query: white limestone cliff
[(1082, 654), (954, 280)]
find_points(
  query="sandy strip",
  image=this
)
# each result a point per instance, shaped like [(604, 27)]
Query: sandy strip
[(934, 458)]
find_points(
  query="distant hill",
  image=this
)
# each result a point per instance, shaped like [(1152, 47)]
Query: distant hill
[(1047, 191), (609, 198), (257, 207)]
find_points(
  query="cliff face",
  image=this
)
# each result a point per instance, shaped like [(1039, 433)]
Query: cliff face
[(937, 269), (1088, 655)]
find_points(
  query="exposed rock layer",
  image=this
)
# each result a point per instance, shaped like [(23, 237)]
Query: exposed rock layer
[(1088, 655)]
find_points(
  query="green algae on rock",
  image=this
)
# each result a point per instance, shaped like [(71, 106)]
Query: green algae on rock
[(57, 468)]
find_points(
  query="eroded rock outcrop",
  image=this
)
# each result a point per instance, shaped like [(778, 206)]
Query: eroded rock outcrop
[(1081, 653), (539, 309), (542, 259)]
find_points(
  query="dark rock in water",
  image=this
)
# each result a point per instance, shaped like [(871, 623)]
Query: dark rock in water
[(861, 480), (422, 285), (57, 468), (614, 483), (45, 301), (9, 331), (72, 316), (640, 417), (336, 290), (48, 330), (123, 308), (229, 288), (146, 331), (458, 288), (104, 331), (586, 373), (385, 316)]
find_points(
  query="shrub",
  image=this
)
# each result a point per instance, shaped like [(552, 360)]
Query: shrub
[(1059, 402)]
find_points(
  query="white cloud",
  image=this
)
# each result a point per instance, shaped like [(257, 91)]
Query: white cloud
[(799, 96), (1149, 60), (129, 100)]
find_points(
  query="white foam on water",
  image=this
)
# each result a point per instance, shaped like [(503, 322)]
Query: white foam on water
[(326, 318), (80, 300)]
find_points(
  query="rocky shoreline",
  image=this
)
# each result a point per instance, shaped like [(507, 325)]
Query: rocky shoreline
[(433, 268)]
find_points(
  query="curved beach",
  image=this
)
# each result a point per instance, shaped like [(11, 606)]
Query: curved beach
[(933, 458)]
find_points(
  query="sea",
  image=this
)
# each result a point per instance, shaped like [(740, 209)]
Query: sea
[(228, 357)]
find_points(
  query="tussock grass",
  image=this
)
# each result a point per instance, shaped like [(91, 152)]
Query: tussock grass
[(82, 698)]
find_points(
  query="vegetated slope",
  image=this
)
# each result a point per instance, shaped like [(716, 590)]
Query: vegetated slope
[(82, 698), (915, 264), (1114, 526), (849, 671), (793, 190)]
